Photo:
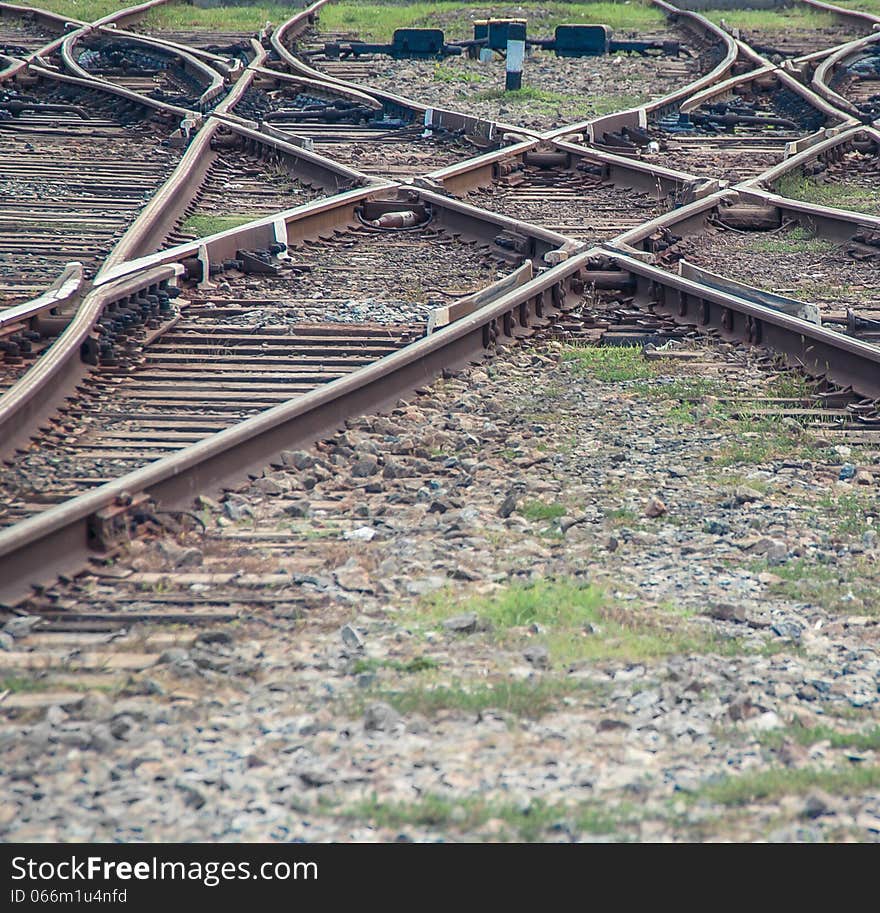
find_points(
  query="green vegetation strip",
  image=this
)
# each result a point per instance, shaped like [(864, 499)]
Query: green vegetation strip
[(203, 225), (377, 21), (84, 10), (781, 20), (576, 621), (839, 195), (244, 19), (777, 782), (525, 821)]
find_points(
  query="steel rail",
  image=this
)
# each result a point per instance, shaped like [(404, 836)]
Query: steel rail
[(56, 18), (62, 292), (54, 375), (158, 217), (833, 145), (430, 116), (35, 396), (61, 540), (482, 171), (819, 352), (640, 115), (192, 65), (825, 72)]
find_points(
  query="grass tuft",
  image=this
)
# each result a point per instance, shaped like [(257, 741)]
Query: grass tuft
[(527, 822), (778, 782), (838, 195), (203, 225)]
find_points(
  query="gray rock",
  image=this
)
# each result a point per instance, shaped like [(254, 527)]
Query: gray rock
[(508, 505), (716, 527), (215, 637), (352, 577), (21, 626), (298, 509), (351, 638), (173, 655), (461, 624), (790, 629), (380, 717), (298, 459), (7, 641), (365, 467), (745, 495), (180, 556), (55, 716), (203, 502), (538, 656), (268, 486), (120, 726), (192, 795), (815, 806)]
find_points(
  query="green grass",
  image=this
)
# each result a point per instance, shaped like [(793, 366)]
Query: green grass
[(538, 510), (411, 667), (868, 6), (775, 783), (842, 589), (528, 699), (869, 740), (796, 241), (850, 512), (572, 106), (567, 610), (527, 823), (244, 19), (838, 195), (781, 20), (84, 10), (377, 21), (202, 225), (18, 684), (756, 440), (610, 364), (447, 74), (621, 516)]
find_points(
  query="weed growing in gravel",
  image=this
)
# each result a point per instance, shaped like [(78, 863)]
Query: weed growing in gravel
[(851, 513), (574, 107), (610, 364), (578, 622), (411, 667), (529, 699), (777, 782), (538, 510), (795, 241), (839, 195), (18, 684), (447, 74), (759, 439), (847, 589), (201, 226), (527, 822), (869, 740)]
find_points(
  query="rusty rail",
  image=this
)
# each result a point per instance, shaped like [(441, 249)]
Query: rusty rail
[(61, 539)]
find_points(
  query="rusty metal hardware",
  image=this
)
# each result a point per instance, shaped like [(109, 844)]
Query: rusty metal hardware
[(111, 526)]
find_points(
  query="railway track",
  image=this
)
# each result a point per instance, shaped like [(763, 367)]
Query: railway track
[(23, 33), (65, 199), (299, 317)]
